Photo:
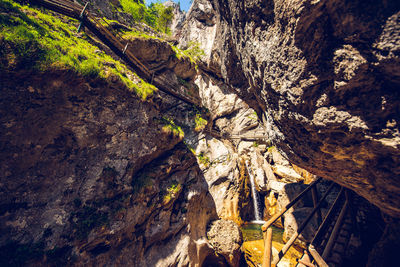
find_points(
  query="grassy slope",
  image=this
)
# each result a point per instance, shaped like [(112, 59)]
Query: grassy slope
[(32, 38)]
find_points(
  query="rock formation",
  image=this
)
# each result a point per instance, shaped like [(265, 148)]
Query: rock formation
[(323, 74), (179, 16), (93, 175), (88, 172)]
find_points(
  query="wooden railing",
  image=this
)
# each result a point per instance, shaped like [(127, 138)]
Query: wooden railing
[(118, 45), (260, 135), (319, 259)]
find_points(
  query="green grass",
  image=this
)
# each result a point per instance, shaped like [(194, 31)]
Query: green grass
[(193, 52), (134, 33), (31, 38), (205, 160)]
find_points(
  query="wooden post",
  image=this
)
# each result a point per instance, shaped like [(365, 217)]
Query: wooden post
[(318, 259), (288, 206), (301, 227), (267, 259)]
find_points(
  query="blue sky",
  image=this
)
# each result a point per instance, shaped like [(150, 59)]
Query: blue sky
[(185, 4)]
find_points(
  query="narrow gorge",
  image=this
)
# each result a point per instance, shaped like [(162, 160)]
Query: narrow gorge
[(133, 133)]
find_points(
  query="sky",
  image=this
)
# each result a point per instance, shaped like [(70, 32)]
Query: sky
[(185, 4)]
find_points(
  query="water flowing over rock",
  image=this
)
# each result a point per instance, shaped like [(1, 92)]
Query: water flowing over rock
[(91, 175)]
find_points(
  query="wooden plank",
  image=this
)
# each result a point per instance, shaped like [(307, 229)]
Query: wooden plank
[(318, 259)]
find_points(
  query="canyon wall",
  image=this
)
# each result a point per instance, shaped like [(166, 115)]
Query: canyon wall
[(324, 76), (91, 175)]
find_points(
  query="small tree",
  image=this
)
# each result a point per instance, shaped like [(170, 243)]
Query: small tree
[(166, 16)]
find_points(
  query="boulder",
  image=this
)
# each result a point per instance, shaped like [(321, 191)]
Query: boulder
[(226, 239), (287, 173)]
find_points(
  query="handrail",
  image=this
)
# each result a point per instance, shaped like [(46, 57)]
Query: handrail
[(314, 195), (76, 11), (288, 206), (335, 230), (267, 230), (327, 217), (314, 253), (302, 226)]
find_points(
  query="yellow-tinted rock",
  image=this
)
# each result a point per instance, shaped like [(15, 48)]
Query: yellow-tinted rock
[(253, 253)]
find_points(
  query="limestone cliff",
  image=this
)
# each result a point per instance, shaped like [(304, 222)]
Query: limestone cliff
[(324, 76), (91, 173), (88, 173)]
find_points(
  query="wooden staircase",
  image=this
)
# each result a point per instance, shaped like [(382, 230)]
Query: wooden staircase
[(332, 238), (330, 242)]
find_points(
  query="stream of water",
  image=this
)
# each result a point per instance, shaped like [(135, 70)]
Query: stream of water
[(256, 202), (252, 231)]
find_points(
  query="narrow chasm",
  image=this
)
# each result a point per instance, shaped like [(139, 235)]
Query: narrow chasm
[(199, 133)]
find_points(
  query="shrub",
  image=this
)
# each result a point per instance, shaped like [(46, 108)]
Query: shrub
[(156, 15), (193, 51), (200, 123)]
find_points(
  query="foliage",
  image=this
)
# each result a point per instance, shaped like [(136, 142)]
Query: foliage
[(165, 16), (172, 191), (205, 160), (134, 33), (156, 15), (193, 51), (171, 128), (35, 39), (253, 116), (200, 123)]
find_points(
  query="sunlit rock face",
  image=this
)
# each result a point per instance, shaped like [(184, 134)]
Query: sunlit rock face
[(89, 177), (179, 16), (325, 76)]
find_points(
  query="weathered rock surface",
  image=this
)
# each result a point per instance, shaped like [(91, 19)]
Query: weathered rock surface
[(326, 74), (89, 177), (218, 157), (179, 16), (226, 238)]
